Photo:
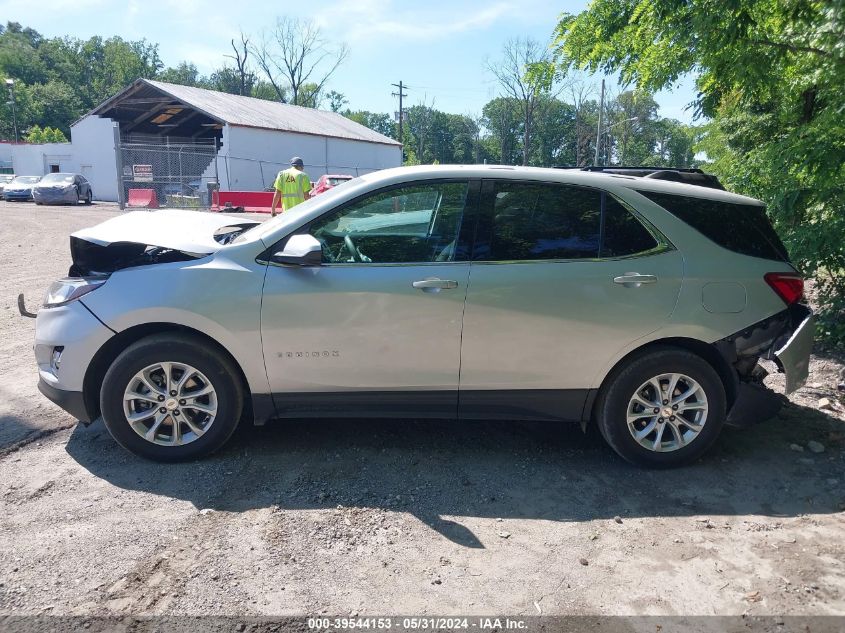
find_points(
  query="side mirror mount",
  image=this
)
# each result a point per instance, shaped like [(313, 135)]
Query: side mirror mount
[(300, 250)]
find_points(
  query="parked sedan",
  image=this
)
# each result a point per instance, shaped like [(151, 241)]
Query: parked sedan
[(20, 188), (326, 182), (5, 179), (62, 189)]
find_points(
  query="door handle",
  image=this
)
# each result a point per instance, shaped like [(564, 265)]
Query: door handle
[(435, 285), (634, 280)]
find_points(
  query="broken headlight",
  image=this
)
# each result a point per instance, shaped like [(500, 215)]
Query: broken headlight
[(69, 289)]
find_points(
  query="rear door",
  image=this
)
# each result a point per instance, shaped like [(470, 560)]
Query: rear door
[(562, 279)]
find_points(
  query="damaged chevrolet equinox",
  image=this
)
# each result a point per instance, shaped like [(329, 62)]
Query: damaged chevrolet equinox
[(636, 304)]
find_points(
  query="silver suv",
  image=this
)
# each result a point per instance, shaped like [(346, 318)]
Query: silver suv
[(639, 305)]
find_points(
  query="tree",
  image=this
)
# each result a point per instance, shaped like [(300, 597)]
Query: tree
[(501, 119), (185, 74), (336, 101), (770, 74), (525, 73), (294, 55), (580, 92), (378, 121), (554, 130), (630, 122), (37, 134), (245, 77), (53, 104)]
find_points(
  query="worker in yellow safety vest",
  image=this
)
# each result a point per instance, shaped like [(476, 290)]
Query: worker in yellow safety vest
[(292, 186)]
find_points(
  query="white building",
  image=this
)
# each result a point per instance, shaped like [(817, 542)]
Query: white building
[(178, 139), (90, 152)]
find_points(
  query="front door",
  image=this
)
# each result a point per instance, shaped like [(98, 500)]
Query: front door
[(376, 329), (563, 278)]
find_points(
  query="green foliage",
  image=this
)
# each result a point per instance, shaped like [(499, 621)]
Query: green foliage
[(37, 134), (263, 90), (770, 73), (336, 100), (380, 122), (185, 74)]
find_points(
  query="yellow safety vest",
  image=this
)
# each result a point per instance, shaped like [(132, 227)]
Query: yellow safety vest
[(292, 184)]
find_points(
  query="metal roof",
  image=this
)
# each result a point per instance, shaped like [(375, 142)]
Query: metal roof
[(239, 111)]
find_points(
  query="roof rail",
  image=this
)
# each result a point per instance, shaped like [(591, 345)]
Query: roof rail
[(686, 175)]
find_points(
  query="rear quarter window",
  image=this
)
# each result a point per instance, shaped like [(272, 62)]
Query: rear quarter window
[(623, 233), (741, 228)]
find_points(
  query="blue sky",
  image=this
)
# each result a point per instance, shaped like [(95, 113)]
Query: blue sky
[(437, 47)]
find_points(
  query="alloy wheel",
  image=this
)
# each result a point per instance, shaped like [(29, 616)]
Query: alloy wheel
[(667, 412), (170, 403)]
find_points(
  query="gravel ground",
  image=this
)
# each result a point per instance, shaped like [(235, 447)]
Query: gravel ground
[(386, 517)]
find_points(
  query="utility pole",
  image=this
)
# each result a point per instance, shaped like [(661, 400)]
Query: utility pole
[(10, 83), (598, 132), (401, 94)]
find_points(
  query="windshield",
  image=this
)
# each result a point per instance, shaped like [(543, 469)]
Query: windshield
[(58, 178), (6, 178), (26, 180), (302, 207)]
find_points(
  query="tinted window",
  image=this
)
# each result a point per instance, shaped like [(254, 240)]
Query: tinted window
[(741, 228), (534, 221), (624, 234), (412, 224)]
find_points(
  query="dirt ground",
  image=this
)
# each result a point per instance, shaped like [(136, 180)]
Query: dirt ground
[(401, 517)]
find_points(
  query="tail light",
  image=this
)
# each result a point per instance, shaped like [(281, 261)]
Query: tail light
[(788, 286)]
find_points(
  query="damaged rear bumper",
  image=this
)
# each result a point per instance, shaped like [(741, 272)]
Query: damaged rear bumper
[(785, 338), (754, 403), (793, 357)]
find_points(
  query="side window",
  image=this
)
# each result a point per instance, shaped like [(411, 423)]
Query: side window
[(624, 234), (741, 228), (417, 223), (537, 221)]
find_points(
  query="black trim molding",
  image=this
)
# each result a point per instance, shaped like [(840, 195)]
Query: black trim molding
[(71, 401), (511, 404)]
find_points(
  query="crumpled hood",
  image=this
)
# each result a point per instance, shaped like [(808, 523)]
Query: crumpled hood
[(187, 231)]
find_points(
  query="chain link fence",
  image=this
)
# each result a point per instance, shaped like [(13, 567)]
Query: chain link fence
[(184, 172), (179, 171), (252, 174)]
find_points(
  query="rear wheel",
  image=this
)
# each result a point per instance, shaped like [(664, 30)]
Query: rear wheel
[(89, 198), (662, 409), (171, 398)]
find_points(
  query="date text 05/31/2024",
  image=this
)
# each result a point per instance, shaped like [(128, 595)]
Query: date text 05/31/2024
[(409, 623)]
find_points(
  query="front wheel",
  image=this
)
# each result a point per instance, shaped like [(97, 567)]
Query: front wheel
[(89, 198), (662, 409), (171, 398)]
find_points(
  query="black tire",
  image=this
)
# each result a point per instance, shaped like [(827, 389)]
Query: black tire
[(612, 406), (89, 198), (186, 349)]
